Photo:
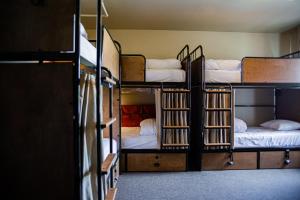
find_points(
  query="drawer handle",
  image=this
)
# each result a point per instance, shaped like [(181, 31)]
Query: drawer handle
[(287, 161), (156, 164), (38, 2), (230, 163)]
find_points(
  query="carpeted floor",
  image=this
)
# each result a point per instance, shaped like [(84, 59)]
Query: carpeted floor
[(213, 185)]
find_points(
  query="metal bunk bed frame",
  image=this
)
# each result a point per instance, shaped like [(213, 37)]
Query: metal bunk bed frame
[(199, 85)]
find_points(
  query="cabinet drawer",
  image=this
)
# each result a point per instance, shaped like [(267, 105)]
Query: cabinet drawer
[(156, 162), (275, 160), (219, 161)]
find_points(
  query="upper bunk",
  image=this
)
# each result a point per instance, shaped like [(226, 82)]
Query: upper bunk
[(111, 50), (139, 71), (273, 72)]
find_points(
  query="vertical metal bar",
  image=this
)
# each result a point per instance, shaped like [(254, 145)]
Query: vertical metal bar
[(78, 142), (161, 116), (98, 96)]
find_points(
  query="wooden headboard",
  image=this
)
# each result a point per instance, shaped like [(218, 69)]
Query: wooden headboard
[(132, 115)]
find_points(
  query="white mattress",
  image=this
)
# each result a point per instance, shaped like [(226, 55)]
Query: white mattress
[(263, 137), (106, 147), (88, 52), (222, 76), (165, 75), (131, 139)]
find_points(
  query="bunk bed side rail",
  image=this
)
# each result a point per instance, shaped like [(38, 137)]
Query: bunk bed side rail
[(270, 70), (292, 55)]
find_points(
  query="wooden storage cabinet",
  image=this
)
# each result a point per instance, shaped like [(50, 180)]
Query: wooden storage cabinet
[(219, 161), (275, 160), (156, 162)]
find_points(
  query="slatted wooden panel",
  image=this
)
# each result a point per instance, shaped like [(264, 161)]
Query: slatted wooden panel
[(37, 143), (156, 162), (26, 27), (110, 55), (270, 70), (133, 68), (218, 161)]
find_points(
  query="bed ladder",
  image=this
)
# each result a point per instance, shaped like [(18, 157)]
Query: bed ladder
[(218, 117), (110, 160), (174, 128)]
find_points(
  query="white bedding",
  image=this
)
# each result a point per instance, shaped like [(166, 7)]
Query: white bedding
[(223, 76), (264, 137), (106, 147), (131, 139), (87, 52), (165, 75)]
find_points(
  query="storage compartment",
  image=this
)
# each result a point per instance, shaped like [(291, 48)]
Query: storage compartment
[(156, 162), (220, 161), (277, 160)]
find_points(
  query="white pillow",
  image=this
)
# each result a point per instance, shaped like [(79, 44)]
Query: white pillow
[(83, 31), (163, 64), (240, 126), (230, 65), (281, 125), (148, 127)]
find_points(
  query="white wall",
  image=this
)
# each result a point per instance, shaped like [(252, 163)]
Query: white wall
[(226, 45)]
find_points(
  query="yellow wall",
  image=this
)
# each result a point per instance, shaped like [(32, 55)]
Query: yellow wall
[(222, 45)]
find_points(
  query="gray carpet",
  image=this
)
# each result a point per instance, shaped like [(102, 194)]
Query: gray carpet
[(214, 185)]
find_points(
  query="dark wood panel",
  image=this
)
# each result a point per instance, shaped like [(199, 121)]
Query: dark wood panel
[(37, 139), (156, 162), (219, 161), (28, 27), (270, 70)]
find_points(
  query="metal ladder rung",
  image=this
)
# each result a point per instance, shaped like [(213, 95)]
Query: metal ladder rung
[(175, 127), (109, 80), (176, 91), (217, 109), (108, 163), (218, 91), (175, 109), (217, 144), (217, 127), (108, 123), (111, 194), (175, 145)]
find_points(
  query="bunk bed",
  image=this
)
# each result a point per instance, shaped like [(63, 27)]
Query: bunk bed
[(169, 81), (223, 146)]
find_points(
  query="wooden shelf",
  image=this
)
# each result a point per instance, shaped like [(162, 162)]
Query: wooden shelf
[(108, 123), (111, 194), (108, 163), (217, 91), (217, 109), (175, 145), (176, 91), (175, 127), (218, 144), (176, 109), (217, 127)]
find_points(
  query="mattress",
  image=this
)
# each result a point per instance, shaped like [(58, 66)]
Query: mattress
[(256, 137), (106, 147), (223, 76), (165, 75), (131, 139), (88, 52)]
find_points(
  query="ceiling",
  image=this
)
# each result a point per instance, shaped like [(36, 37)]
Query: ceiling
[(203, 15)]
